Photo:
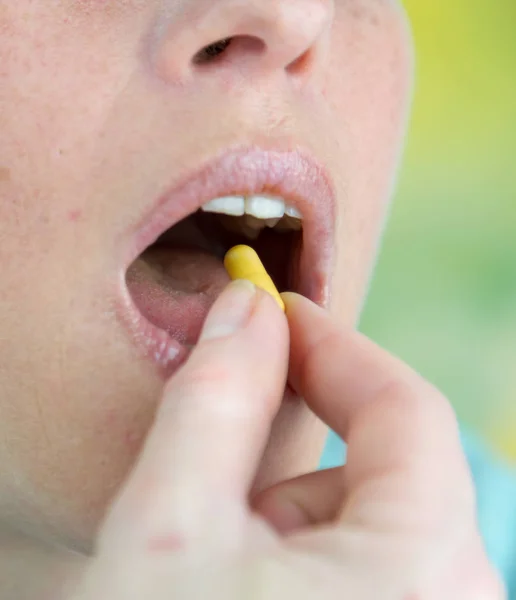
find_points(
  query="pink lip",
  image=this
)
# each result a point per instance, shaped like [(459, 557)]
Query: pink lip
[(295, 176)]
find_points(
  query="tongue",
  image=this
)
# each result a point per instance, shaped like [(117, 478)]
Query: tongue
[(175, 287)]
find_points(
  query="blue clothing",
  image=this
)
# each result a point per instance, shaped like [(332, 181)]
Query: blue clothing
[(496, 493)]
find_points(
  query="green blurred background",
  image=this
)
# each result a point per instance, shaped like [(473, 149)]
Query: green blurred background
[(444, 296)]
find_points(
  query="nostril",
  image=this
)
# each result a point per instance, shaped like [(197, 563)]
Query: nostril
[(240, 45), (210, 52), (301, 64)]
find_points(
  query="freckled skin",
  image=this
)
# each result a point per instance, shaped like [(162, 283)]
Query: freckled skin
[(74, 215), (99, 110)]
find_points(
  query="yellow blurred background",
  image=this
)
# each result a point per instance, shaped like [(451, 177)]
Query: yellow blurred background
[(444, 295)]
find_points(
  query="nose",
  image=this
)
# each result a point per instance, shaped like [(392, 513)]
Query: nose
[(264, 35)]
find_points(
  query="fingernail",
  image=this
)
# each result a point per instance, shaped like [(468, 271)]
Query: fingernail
[(231, 311)]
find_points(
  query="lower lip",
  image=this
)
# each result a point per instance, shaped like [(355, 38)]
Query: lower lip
[(156, 344)]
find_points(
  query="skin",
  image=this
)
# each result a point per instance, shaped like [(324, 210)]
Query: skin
[(396, 522), (100, 108)]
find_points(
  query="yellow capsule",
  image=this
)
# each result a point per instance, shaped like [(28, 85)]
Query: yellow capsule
[(242, 262)]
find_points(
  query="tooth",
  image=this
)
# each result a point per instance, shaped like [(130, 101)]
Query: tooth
[(272, 222), (288, 224), (282, 226), (251, 227), (247, 225), (229, 205), (290, 211), (292, 223), (264, 207), (254, 223)]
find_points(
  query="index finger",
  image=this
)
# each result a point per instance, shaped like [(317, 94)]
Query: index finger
[(404, 458)]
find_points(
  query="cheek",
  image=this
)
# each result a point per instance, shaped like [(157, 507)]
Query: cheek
[(56, 95), (371, 78), (371, 91)]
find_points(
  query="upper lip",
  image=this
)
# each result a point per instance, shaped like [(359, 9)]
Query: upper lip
[(294, 175)]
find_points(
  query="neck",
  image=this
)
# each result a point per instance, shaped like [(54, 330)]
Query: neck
[(31, 570)]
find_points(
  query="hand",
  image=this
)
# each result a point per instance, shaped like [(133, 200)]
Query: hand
[(397, 522)]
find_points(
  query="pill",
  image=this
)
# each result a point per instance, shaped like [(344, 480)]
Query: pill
[(242, 262)]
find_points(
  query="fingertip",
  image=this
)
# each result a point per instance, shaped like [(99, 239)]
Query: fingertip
[(307, 321), (231, 311), (292, 299), (300, 310), (289, 297), (268, 313), (283, 515)]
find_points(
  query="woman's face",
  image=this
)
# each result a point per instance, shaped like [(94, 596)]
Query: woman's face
[(108, 109)]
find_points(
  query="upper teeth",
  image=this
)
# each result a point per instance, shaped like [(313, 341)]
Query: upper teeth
[(268, 208)]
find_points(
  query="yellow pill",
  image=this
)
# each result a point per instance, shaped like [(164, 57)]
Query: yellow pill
[(242, 262)]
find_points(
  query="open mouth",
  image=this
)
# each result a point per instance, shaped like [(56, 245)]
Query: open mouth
[(179, 272), (175, 281)]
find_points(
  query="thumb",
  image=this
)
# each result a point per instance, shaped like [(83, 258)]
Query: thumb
[(212, 425), (310, 499)]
